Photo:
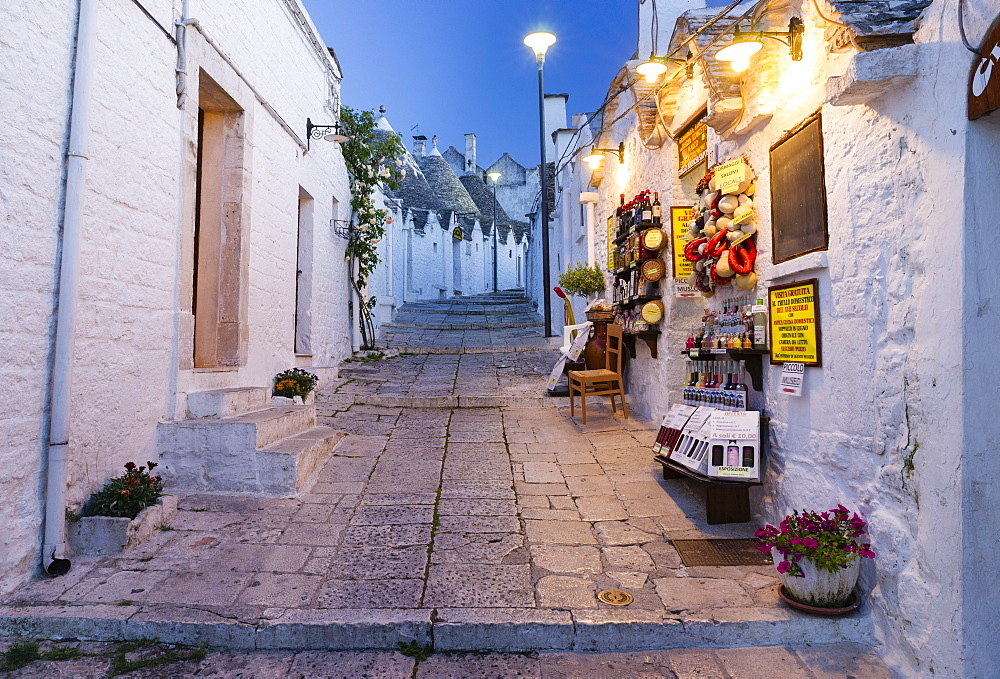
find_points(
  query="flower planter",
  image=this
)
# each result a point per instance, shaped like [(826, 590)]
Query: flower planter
[(310, 399), (110, 535), (819, 588)]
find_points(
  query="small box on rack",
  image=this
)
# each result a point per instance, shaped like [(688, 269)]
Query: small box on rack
[(735, 446), (691, 449), (671, 426)]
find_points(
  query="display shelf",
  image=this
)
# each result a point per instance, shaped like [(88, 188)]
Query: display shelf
[(647, 336), (752, 359), (726, 501), (640, 227), (636, 300)]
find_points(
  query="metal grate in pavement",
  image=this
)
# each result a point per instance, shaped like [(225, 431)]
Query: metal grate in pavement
[(721, 553)]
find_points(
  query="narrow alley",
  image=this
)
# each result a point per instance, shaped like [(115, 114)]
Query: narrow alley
[(463, 511)]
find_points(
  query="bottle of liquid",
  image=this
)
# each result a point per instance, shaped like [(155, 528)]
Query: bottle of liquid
[(657, 209), (647, 208), (732, 454), (760, 325)]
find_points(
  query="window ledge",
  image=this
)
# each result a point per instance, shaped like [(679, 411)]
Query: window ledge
[(810, 262)]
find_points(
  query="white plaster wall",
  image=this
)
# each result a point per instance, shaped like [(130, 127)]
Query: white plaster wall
[(132, 257), (34, 107), (881, 426)]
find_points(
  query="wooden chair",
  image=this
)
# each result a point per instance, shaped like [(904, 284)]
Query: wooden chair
[(606, 382)]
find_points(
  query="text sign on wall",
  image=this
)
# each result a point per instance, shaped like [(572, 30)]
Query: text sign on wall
[(611, 243), (984, 83), (679, 218), (795, 327), (729, 175)]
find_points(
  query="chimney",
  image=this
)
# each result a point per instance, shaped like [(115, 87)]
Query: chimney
[(419, 146), (470, 154)]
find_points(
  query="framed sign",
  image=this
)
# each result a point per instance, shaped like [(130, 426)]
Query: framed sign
[(984, 82), (611, 243), (793, 313), (679, 218), (798, 193), (692, 142), (456, 233)]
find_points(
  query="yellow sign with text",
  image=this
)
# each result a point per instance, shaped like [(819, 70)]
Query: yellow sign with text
[(795, 326), (679, 218), (611, 243)]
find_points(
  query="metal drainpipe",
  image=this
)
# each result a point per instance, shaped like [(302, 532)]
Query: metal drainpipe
[(54, 559)]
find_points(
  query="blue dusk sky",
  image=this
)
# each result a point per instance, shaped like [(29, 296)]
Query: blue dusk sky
[(456, 66)]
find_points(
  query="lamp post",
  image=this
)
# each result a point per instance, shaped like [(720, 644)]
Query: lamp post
[(495, 176), (539, 44)]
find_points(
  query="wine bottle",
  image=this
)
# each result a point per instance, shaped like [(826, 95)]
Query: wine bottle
[(657, 209), (647, 208)]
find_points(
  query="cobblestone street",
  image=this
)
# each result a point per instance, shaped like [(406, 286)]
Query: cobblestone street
[(457, 529)]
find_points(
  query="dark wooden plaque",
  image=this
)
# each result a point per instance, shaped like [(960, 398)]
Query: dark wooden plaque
[(798, 192), (984, 83)]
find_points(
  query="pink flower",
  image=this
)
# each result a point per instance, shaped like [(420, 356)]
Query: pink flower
[(810, 542), (784, 566)]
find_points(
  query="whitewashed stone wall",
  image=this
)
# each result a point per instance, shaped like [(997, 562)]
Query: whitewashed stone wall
[(894, 424), (33, 105), (132, 362)]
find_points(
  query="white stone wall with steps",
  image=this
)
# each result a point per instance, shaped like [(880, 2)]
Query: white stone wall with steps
[(236, 442)]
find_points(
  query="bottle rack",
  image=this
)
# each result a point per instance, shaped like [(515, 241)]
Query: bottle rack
[(752, 360)]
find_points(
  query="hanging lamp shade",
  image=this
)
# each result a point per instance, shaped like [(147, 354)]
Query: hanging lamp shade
[(738, 54)]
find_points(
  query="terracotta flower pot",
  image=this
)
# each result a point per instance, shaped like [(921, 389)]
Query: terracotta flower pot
[(820, 587)]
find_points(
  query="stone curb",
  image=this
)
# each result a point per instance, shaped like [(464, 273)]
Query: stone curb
[(510, 630), (457, 326)]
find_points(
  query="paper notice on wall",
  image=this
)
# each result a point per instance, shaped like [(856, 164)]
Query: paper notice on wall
[(682, 289), (792, 375)]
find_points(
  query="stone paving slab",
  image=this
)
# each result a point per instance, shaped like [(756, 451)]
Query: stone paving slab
[(440, 524), (456, 513)]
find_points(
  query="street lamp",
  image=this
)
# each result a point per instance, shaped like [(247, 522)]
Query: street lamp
[(495, 176), (539, 44)]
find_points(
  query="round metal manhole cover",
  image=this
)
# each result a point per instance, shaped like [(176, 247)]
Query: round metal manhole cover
[(615, 597)]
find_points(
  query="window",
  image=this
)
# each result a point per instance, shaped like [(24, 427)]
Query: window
[(798, 193)]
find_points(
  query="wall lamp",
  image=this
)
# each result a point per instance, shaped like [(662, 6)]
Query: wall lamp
[(656, 66), (332, 133), (746, 44), (596, 156)]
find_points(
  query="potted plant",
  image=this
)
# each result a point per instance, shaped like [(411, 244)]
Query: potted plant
[(124, 513), (295, 386), (818, 557), (582, 280)]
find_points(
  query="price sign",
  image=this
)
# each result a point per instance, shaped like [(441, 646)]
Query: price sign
[(794, 319)]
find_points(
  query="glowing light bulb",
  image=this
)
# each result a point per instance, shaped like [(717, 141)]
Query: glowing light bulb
[(738, 54), (651, 70)]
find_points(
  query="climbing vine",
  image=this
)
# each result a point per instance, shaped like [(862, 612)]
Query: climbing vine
[(372, 158)]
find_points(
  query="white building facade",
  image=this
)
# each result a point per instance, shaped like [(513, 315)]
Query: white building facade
[(894, 424), (441, 241), (186, 248)]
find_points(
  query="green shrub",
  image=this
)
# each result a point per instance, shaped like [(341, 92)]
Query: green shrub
[(582, 280), (294, 382), (128, 494)]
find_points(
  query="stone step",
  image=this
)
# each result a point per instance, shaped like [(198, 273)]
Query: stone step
[(227, 402), (460, 326), (221, 454), (484, 629), (291, 462), (463, 311)]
